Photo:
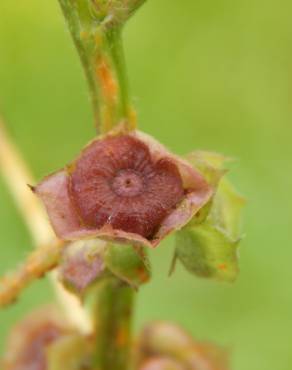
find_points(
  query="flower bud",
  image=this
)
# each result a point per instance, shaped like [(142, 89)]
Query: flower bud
[(162, 338), (44, 341)]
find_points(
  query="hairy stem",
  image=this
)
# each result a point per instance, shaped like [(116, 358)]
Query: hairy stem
[(96, 28), (96, 31), (41, 261), (113, 325)]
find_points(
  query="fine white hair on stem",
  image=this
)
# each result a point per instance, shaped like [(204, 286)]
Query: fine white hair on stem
[(17, 176)]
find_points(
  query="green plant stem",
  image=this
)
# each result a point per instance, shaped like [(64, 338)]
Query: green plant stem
[(113, 313), (97, 37), (96, 28)]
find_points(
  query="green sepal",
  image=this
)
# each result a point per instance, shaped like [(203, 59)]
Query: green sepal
[(226, 205), (71, 352), (227, 208), (211, 166), (208, 245), (207, 251), (130, 264)]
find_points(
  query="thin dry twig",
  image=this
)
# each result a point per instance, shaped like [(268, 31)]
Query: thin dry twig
[(17, 176)]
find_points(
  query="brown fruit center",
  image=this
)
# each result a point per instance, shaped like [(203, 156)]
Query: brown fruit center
[(128, 183), (116, 181)]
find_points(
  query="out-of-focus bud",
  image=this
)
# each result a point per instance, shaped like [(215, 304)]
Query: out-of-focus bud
[(162, 338), (30, 341), (44, 341), (170, 341), (208, 245), (70, 352), (161, 364)]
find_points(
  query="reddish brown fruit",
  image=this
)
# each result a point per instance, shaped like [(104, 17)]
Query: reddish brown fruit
[(116, 182), (126, 188)]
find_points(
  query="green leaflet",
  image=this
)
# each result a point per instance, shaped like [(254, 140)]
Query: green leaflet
[(208, 245)]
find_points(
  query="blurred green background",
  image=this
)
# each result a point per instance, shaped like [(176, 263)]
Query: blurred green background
[(213, 74)]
